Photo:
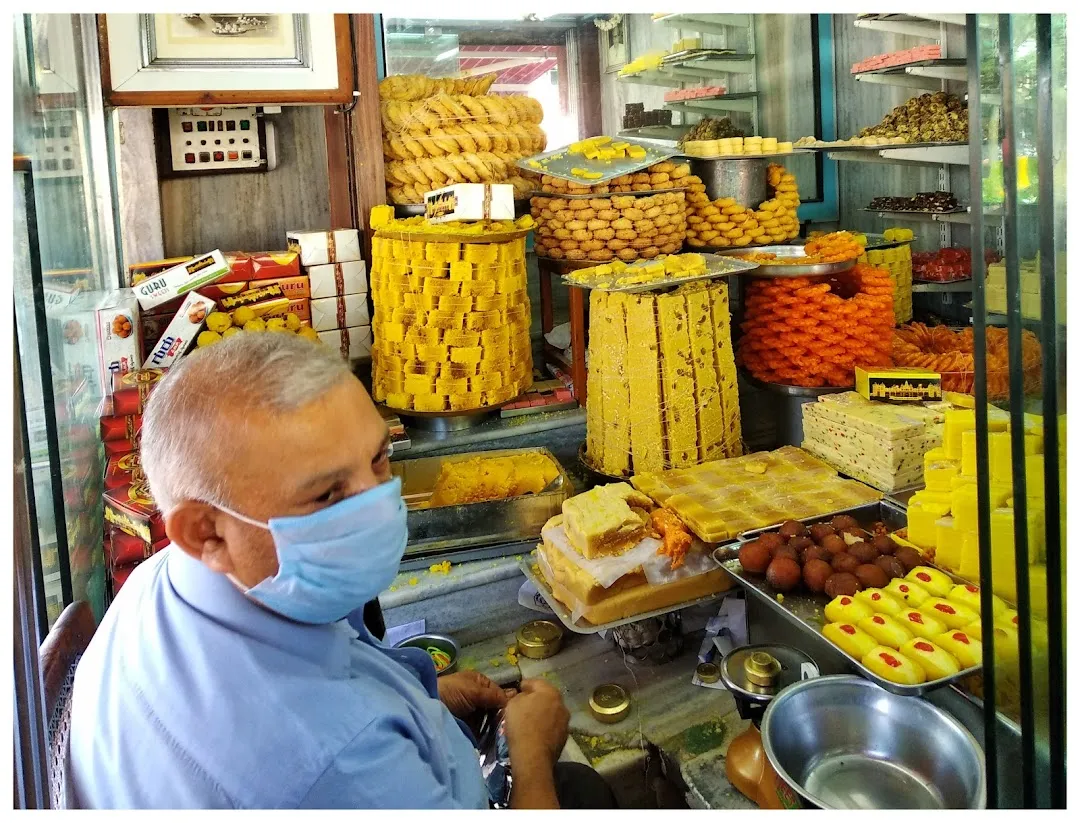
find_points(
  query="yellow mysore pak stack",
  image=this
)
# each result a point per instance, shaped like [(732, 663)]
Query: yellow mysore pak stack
[(1030, 287), (661, 383), (437, 132), (897, 262), (451, 324)]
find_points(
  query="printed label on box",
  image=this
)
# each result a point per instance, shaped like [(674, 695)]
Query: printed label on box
[(181, 332)]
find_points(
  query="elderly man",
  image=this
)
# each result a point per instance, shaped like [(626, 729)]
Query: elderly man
[(234, 669)]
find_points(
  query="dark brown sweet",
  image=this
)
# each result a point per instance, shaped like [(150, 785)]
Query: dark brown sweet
[(891, 566), (755, 556), (792, 528), (772, 540), (842, 583), (884, 544), (844, 521), (871, 576), (909, 557), (815, 573), (834, 544), (845, 562), (864, 551), (800, 543), (787, 551), (783, 574), (820, 530), (814, 552)]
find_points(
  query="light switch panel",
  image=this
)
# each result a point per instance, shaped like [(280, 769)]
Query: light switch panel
[(215, 139)]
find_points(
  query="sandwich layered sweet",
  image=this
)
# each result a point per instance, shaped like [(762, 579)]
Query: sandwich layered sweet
[(613, 554)]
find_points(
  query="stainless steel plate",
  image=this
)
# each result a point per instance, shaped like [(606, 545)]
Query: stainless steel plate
[(715, 266), (882, 147), (560, 162), (843, 743), (790, 269)]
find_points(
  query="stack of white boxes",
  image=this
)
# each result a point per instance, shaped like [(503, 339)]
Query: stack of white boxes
[(339, 289)]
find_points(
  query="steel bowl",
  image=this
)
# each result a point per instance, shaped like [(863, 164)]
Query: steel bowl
[(844, 743), (437, 641)]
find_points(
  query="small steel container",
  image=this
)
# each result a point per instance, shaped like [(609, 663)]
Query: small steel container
[(707, 672), (609, 703), (744, 179), (435, 641), (539, 639)]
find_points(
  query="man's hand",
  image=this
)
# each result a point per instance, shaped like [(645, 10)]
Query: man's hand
[(466, 693), (537, 724)]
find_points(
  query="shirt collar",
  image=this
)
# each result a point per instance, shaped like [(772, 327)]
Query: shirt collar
[(215, 596)]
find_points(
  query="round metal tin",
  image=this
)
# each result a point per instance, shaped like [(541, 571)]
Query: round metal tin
[(609, 703), (759, 673), (539, 639)]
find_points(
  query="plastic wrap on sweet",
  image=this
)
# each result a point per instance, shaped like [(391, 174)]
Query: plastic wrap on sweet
[(494, 752), (451, 324)]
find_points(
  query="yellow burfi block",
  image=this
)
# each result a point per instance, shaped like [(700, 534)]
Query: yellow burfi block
[(934, 660), (462, 271), (469, 400), (500, 395), (422, 368), (967, 453), (710, 406), (419, 384), (451, 385), (461, 337), (615, 387), (1003, 548), (433, 354), (849, 638), (490, 337), (957, 421), (933, 580), (949, 544), (401, 249), (676, 372), (953, 615), (492, 303), (882, 602), (429, 302), (594, 409), (920, 624), (885, 630), (443, 252), (965, 648), (478, 288), (969, 555), (399, 400), (481, 253), (430, 402), (938, 476), (911, 593), (439, 320), (392, 333), (439, 287), (483, 320), (844, 609), (486, 382), (965, 507), (889, 664), (456, 304), (471, 354), (643, 352), (922, 523)]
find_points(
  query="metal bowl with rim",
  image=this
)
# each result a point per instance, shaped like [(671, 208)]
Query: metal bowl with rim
[(787, 252), (844, 743), (426, 642)]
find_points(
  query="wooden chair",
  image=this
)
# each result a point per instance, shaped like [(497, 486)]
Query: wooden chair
[(59, 655)]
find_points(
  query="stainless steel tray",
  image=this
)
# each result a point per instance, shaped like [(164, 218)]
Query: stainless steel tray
[(727, 158), (559, 162), (917, 212), (807, 611), (878, 241), (789, 270), (474, 524), (715, 266), (582, 626), (881, 147), (554, 195)]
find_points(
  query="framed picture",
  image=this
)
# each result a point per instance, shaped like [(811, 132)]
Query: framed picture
[(193, 59), (614, 43)]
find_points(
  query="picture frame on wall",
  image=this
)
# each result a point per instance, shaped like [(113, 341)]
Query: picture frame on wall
[(614, 36), (192, 59)]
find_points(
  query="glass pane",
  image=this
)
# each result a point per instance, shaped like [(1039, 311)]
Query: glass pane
[(54, 124)]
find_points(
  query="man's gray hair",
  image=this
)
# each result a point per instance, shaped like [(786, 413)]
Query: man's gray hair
[(182, 439)]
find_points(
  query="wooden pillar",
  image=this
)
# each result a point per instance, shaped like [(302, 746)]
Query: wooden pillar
[(365, 128)]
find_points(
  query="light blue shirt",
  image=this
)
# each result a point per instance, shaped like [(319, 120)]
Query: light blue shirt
[(191, 696)]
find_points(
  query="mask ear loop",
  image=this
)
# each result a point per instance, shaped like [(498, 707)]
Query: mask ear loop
[(238, 516)]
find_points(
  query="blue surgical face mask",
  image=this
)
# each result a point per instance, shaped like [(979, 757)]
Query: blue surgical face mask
[(333, 561)]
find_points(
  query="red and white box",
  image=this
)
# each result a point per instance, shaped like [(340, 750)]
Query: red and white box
[(318, 248), (123, 470), (181, 332), (118, 327), (341, 312), (338, 278), (126, 549)]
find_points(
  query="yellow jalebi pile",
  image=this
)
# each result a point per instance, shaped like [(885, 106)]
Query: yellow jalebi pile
[(837, 247), (804, 331), (952, 354)]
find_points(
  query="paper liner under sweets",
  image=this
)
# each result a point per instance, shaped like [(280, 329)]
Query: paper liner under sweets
[(131, 509)]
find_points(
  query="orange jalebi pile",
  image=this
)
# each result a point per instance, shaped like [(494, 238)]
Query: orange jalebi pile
[(813, 331), (952, 354), (837, 247)]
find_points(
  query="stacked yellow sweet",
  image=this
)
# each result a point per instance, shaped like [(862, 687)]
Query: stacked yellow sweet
[(944, 517), (451, 324), (657, 177), (606, 228), (897, 262), (723, 223), (440, 132), (662, 388)]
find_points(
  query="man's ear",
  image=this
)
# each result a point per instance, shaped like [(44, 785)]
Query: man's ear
[(192, 526)]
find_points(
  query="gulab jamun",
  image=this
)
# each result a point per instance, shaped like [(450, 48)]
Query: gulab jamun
[(845, 562), (755, 556), (884, 544), (815, 552), (871, 576), (783, 574), (891, 566), (864, 551), (792, 528), (844, 521), (821, 530), (801, 542), (787, 551), (834, 544), (772, 540), (815, 573), (842, 583), (909, 557)]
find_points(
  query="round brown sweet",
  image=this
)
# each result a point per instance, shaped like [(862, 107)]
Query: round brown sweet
[(787, 551), (891, 566), (815, 573), (814, 552), (884, 544), (772, 540), (864, 551), (755, 556), (842, 583), (845, 562), (821, 530), (800, 543), (792, 528), (909, 557), (844, 521), (834, 544), (872, 576), (783, 574)]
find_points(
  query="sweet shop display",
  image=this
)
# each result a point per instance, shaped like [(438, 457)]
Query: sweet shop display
[(736, 147), (451, 323), (931, 202), (898, 262), (661, 176), (492, 478), (661, 381), (614, 553), (898, 58), (881, 444), (928, 118), (724, 223), (720, 499), (437, 132), (1030, 287), (952, 355), (814, 331), (712, 128), (636, 117)]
